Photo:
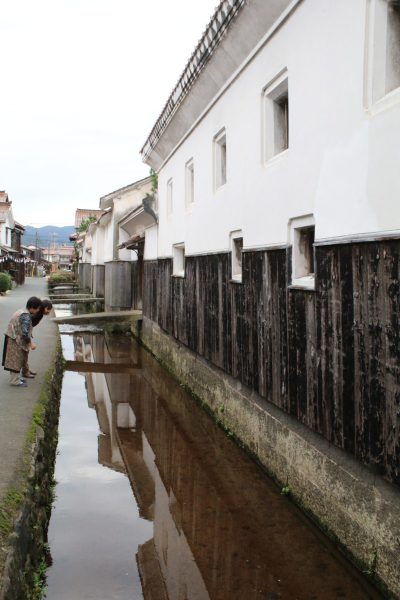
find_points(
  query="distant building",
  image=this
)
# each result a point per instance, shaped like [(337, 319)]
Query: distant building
[(84, 213), (59, 257), (29, 259), (111, 257), (11, 256)]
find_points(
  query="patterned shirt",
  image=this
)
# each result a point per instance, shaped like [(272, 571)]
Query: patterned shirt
[(26, 322)]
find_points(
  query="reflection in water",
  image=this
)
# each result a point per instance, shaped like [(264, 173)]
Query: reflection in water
[(215, 526)]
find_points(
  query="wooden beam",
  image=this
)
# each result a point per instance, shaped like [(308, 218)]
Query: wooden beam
[(92, 367), (122, 316), (88, 300)]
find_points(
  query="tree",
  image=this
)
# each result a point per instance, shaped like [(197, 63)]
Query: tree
[(154, 181), (84, 226)]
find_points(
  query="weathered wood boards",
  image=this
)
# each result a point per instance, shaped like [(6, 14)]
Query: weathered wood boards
[(329, 357)]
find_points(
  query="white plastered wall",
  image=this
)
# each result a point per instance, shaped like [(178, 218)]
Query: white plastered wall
[(343, 156), (97, 245)]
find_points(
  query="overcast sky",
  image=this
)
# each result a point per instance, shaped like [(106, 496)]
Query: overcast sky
[(82, 83)]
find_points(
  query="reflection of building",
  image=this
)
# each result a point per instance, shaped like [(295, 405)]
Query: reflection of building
[(220, 531), (89, 348)]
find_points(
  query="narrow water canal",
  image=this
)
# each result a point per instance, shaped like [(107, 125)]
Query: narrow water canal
[(155, 502)]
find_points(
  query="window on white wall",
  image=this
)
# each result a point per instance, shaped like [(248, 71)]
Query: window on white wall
[(236, 253), (302, 237), (178, 259), (220, 159), (170, 189), (383, 48), (393, 47), (189, 183), (275, 117)]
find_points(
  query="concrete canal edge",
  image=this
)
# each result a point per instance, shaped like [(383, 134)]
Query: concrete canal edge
[(353, 506), (25, 511)]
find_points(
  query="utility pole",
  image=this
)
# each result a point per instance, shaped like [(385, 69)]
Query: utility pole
[(54, 235), (37, 253)]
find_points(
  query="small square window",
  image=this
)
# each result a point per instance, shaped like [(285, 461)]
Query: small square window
[(236, 252), (392, 80), (178, 257), (189, 182), (220, 159), (383, 48), (275, 117), (170, 189), (302, 239)]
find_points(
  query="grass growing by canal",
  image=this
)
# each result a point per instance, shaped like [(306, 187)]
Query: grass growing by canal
[(10, 505), (25, 508)]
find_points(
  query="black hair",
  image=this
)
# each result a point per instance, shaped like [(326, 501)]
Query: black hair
[(33, 302), (45, 303)]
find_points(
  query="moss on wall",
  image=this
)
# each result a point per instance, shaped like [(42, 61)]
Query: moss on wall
[(25, 510)]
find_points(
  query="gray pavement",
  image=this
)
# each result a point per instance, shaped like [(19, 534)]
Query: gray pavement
[(17, 404)]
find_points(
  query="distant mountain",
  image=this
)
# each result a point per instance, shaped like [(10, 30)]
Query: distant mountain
[(50, 234)]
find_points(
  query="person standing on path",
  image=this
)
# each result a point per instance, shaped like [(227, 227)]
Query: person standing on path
[(18, 340), (45, 308)]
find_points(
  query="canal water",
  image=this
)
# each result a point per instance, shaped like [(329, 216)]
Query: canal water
[(154, 501)]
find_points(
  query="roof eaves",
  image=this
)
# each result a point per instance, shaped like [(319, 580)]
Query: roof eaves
[(224, 14), (131, 186), (135, 212)]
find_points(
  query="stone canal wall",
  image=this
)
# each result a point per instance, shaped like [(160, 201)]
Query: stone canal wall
[(308, 380), (25, 514)]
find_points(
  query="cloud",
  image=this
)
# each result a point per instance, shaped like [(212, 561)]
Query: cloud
[(83, 82)]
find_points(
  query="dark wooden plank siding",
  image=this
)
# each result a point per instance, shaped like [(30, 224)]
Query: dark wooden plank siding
[(329, 357)]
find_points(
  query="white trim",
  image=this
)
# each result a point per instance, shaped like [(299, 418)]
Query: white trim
[(236, 265), (178, 260), (376, 98), (300, 275), (217, 159), (373, 236), (189, 183), (276, 88), (170, 198)]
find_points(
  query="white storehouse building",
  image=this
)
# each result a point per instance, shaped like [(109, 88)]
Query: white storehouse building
[(109, 255), (272, 285)]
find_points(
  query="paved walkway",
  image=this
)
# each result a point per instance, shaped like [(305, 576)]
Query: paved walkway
[(17, 404)]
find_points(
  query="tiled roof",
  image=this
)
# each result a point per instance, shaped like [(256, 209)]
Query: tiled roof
[(224, 14)]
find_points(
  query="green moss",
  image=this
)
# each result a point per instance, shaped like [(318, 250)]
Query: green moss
[(38, 582), (23, 490), (117, 328), (9, 507)]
